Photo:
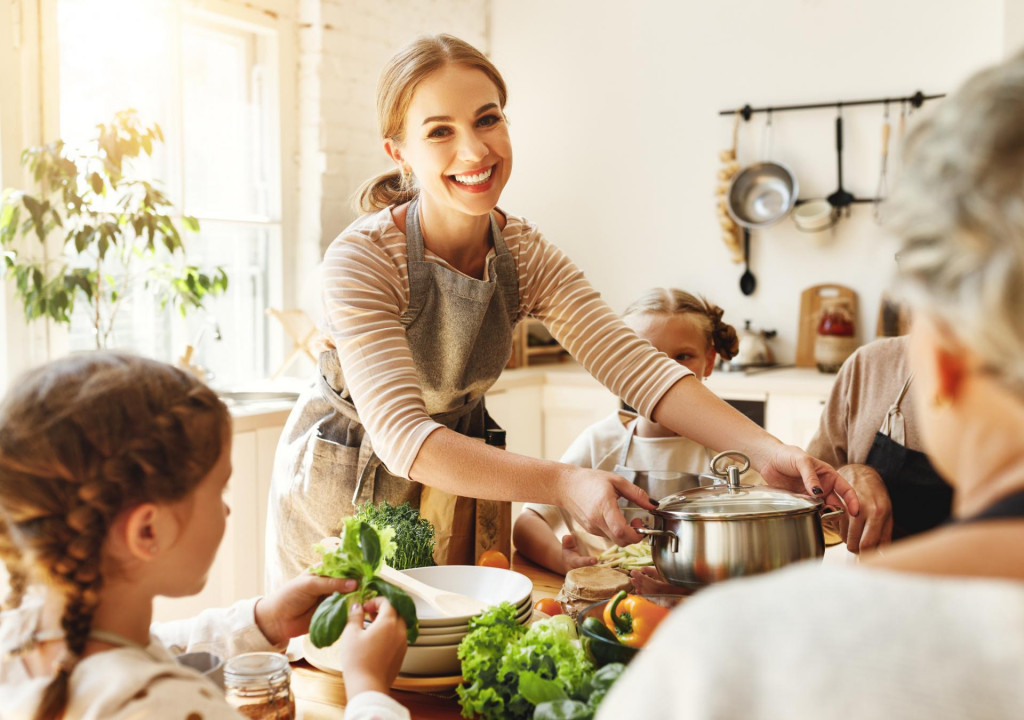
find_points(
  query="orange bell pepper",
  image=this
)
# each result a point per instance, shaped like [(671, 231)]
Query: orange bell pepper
[(633, 618)]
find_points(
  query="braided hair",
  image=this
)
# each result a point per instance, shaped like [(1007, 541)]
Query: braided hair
[(81, 440), (719, 335)]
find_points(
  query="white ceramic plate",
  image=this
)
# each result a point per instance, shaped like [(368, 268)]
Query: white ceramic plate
[(430, 656), (455, 636), (431, 660), (523, 615), (487, 584)]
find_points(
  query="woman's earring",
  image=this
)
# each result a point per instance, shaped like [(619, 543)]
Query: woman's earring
[(406, 176)]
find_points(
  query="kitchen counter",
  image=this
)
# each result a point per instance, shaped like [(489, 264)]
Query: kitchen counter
[(319, 695), (784, 380)]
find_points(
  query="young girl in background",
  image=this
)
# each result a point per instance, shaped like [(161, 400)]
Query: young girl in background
[(689, 330), (112, 470)]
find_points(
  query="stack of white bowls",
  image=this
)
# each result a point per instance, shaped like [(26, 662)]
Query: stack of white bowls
[(435, 652)]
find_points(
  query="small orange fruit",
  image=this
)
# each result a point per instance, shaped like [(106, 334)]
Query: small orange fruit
[(548, 606), (494, 558)]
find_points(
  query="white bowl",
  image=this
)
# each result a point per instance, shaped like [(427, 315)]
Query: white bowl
[(431, 660), (523, 613), (427, 656), (489, 585), (813, 215), (455, 636)]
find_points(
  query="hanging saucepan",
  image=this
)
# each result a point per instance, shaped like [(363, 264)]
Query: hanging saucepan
[(728, 530), (759, 196), (762, 194)]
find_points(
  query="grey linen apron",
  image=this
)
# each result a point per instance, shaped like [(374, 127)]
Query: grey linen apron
[(459, 331)]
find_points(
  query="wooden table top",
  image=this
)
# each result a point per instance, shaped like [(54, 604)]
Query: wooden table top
[(320, 695)]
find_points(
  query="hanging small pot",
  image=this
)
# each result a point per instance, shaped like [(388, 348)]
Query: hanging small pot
[(762, 194)]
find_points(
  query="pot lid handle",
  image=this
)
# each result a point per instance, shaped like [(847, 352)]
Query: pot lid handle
[(730, 473)]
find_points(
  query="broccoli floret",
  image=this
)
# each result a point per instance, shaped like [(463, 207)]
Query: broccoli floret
[(414, 536)]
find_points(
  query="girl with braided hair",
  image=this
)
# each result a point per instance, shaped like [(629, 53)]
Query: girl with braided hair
[(688, 329), (112, 470)]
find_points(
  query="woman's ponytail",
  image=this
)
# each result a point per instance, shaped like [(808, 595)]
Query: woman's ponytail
[(384, 190)]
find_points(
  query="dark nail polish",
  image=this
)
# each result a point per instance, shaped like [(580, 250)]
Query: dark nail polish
[(653, 502), (817, 490)]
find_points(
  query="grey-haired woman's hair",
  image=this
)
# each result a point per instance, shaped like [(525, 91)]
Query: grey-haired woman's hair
[(959, 213), (719, 335)]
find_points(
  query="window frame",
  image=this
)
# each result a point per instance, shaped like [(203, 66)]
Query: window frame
[(34, 116)]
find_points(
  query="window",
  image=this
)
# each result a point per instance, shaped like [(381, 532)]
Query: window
[(211, 83)]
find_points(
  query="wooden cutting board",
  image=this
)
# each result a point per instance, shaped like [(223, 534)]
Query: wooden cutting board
[(811, 301)]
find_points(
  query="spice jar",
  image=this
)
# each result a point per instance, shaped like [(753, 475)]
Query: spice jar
[(835, 339), (258, 685)]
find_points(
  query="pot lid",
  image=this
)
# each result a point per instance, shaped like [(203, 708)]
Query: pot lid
[(734, 501), (730, 499)]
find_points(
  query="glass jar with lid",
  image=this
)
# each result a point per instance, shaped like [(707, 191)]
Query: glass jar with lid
[(258, 685)]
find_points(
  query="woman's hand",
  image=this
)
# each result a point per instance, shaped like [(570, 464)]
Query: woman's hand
[(787, 466), (872, 526), (371, 657), (592, 498), (285, 613)]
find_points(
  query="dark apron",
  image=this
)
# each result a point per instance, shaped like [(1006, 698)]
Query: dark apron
[(1010, 507), (921, 499), (459, 331)]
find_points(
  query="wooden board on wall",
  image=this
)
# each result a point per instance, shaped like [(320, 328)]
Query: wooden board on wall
[(811, 301)]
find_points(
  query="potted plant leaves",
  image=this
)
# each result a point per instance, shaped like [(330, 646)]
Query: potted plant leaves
[(105, 230)]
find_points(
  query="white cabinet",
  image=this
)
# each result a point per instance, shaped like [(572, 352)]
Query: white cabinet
[(545, 408), (237, 571), (569, 409), (517, 409), (793, 419), (793, 398)]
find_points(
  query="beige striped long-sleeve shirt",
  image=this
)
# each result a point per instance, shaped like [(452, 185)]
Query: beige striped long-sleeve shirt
[(366, 290)]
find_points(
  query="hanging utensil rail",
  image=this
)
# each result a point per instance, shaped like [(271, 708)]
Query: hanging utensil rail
[(916, 100)]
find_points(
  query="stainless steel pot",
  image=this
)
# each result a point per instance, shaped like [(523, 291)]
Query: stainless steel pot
[(660, 484), (729, 530)]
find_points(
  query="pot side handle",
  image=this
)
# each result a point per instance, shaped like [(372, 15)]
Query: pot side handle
[(673, 542)]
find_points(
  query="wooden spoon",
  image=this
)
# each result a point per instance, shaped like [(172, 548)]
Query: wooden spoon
[(447, 603)]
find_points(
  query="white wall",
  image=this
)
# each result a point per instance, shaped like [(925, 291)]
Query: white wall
[(614, 115)]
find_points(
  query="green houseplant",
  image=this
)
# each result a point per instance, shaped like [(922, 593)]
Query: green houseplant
[(115, 226)]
